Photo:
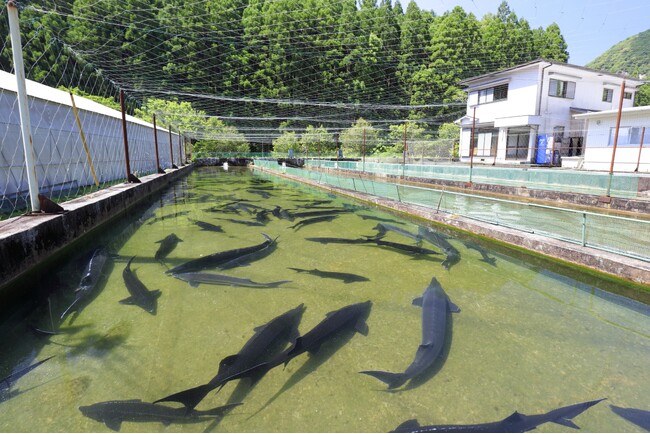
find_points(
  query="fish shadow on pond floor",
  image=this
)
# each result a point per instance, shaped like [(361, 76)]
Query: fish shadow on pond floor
[(435, 367), (326, 351), (244, 387)]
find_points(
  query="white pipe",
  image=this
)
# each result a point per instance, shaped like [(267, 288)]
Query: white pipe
[(25, 124)]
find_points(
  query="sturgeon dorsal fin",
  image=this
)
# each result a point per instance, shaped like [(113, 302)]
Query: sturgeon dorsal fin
[(228, 361), (514, 418)]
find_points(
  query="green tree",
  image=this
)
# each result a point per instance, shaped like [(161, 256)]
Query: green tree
[(642, 96), (224, 139), (360, 138), (454, 55), (414, 37), (289, 140), (448, 141), (418, 141), (507, 40), (317, 140), (550, 43)]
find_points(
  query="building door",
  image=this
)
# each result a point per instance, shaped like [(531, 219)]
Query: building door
[(517, 143)]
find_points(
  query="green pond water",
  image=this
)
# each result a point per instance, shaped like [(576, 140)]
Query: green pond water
[(527, 339)]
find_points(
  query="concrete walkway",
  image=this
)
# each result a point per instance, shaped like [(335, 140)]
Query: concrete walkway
[(28, 240)]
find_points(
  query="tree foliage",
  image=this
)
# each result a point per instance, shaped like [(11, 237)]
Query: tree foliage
[(348, 52), (361, 138)]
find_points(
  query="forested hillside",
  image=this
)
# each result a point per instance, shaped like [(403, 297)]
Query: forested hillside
[(632, 56), (261, 65)]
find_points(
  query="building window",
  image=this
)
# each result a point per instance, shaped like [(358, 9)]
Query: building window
[(485, 142), (608, 94), (501, 92), (627, 95), (562, 89), (628, 136), (491, 94), (558, 134), (517, 143)]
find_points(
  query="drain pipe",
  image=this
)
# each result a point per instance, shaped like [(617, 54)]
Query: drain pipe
[(23, 105)]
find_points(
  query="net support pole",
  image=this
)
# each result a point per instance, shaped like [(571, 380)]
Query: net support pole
[(155, 141), (83, 139), (363, 152), (23, 106), (171, 149), (405, 150), (618, 125), (125, 135), (471, 147), (180, 149), (638, 160)]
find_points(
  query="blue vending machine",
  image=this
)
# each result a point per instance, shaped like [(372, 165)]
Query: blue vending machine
[(543, 155)]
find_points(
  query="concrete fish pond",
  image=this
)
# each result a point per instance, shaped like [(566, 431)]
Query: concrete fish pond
[(216, 308)]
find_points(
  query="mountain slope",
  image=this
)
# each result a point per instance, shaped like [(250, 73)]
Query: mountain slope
[(631, 55)]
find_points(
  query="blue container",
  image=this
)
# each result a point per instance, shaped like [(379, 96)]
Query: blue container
[(543, 155)]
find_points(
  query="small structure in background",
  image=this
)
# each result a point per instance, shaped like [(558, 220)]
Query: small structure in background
[(525, 114), (632, 153)]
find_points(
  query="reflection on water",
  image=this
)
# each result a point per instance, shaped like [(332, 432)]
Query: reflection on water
[(526, 339)]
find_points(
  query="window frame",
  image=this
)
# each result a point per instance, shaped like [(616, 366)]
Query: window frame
[(561, 88), (492, 94), (608, 94)]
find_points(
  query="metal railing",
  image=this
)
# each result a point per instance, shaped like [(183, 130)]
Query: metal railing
[(621, 235), (623, 184)]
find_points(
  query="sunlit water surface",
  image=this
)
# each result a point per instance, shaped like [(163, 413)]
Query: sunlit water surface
[(526, 339)]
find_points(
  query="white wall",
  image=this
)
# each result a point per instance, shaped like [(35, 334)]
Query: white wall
[(61, 161), (598, 149)]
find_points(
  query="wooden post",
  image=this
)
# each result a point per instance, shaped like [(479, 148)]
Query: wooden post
[(180, 150), (404, 152), (618, 125), (83, 139), (471, 147), (171, 150), (638, 160), (125, 135), (363, 152), (155, 141)]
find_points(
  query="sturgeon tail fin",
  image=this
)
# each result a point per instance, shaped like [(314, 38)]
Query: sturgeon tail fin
[(391, 379), (563, 415)]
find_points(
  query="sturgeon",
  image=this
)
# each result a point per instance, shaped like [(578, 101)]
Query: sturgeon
[(140, 295), (89, 280), (228, 258), (113, 413), (280, 330), (435, 304), (516, 422)]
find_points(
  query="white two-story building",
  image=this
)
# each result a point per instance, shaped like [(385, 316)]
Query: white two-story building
[(525, 113)]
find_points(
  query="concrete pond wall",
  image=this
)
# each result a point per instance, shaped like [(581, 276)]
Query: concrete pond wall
[(28, 240)]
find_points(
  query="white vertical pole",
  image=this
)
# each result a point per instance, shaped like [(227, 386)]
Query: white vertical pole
[(28, 145)]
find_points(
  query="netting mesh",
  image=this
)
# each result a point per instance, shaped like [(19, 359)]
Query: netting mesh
[(378, 80)]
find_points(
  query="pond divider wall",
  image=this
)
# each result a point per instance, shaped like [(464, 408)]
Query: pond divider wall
[(27, 240), (640, 205), (630, 269)]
